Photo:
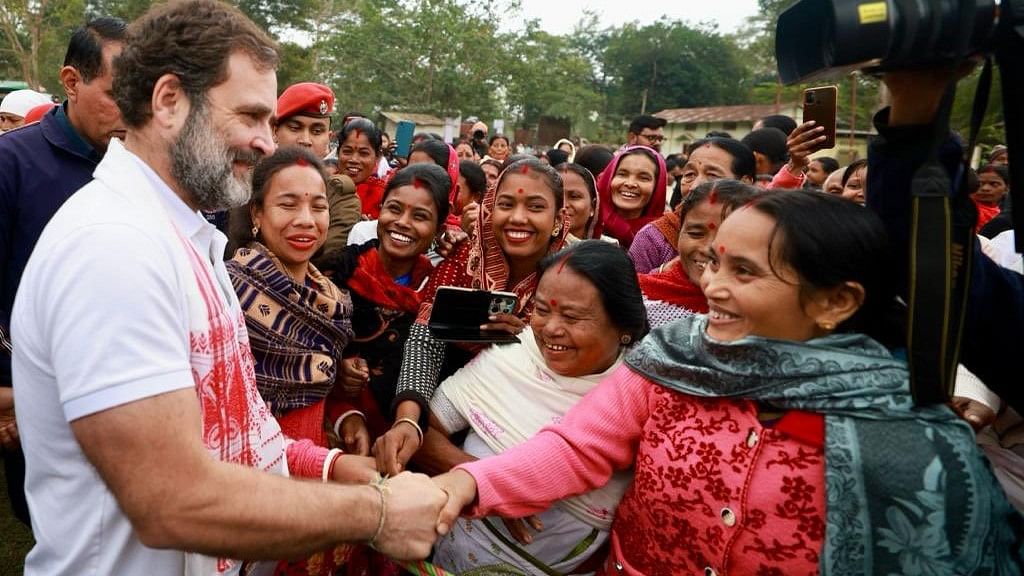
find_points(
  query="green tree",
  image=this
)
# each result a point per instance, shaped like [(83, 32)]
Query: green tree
[(993, 126), (35, 34), (421, 55), (668, 64), (297, 65), (126, 10), (278, 16), (549, 77)]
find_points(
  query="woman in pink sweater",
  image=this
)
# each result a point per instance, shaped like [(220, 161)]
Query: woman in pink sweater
[(742, 424)]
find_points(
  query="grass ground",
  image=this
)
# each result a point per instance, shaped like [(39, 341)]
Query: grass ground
[(15, 538)]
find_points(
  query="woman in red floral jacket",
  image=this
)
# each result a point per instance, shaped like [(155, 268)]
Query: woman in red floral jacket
[(771, 436)]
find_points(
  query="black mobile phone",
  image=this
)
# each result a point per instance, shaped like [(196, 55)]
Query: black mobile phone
[(820, 106), (458, 313)]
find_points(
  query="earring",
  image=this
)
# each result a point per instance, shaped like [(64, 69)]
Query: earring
[(626, 339), (557, 230), (827, 325), (255, 230)]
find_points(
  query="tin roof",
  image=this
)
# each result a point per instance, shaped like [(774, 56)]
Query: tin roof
[(742, 113)]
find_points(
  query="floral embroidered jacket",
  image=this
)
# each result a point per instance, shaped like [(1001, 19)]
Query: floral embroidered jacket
[(724, 493)]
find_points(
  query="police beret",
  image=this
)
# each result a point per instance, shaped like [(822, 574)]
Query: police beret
[(305, 99)]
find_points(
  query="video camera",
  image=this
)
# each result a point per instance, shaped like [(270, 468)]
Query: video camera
[(815, 38)]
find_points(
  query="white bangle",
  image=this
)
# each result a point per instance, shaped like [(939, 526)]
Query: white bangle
[(332, 455), (341, 420)]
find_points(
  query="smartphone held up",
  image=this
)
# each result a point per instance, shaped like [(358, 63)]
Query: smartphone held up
[(820, 106)]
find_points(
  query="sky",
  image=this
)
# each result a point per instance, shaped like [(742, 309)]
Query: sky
[(559, 16)]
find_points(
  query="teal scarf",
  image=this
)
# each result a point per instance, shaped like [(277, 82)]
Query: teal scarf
[(907, 490)]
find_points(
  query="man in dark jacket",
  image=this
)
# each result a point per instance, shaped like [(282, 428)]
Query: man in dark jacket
[(41, 166), (992, 342)]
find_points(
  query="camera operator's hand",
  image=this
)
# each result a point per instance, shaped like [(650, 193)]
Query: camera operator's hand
[(915, 95), (805, 140)]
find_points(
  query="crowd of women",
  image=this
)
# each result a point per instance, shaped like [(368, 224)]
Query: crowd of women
[(731, 409)]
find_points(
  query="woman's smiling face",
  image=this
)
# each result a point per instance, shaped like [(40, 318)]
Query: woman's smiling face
[(575, 335), (751, 292), (524, 215), (633, 184), (294, 216)]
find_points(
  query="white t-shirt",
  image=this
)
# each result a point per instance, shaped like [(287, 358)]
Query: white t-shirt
[(102, 318)]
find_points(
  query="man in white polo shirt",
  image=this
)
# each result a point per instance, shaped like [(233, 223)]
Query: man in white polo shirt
[(137, 405)]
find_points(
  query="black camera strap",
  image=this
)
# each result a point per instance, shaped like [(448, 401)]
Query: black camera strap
[(1009, 49), (943, 221), (940, 256)]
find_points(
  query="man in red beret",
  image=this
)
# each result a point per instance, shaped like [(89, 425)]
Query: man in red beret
[(304, 117)]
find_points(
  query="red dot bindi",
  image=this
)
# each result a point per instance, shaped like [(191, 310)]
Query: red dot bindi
[(301, 162), (554, 303), (712, 226), (721, 249), (520, 191)]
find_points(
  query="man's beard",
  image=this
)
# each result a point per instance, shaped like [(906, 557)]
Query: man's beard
[(201, 162)]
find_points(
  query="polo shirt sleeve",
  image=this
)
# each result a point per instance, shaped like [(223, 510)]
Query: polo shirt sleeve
[(108, 304)]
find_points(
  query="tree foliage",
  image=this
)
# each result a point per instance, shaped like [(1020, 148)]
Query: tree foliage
[(421, 55), (455, 58), (35, 35), (674, 65)]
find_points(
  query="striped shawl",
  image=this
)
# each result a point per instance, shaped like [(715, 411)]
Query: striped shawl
[(297, 332)]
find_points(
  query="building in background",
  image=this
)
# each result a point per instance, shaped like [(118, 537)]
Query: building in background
[(688, 124), (423, 122)]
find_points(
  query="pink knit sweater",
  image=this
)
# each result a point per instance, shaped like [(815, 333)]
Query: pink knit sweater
[(715, 491)]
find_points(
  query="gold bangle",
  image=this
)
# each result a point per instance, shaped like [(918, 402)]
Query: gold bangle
[(419, 431)]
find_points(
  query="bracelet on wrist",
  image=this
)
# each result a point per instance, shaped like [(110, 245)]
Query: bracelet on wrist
[(332, 457), (414, 424), (341, 420), (380, 484)]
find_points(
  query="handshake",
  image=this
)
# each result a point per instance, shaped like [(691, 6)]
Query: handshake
[(417, 510)]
